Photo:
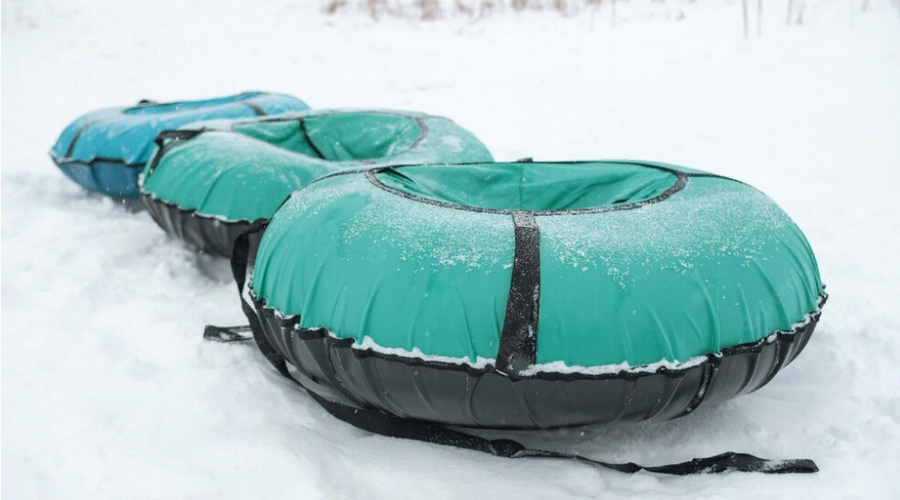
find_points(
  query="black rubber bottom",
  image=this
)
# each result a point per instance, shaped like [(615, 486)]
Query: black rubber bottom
[(481, 397), (206, 234)]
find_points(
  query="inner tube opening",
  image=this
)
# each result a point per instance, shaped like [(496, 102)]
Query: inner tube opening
[(538, 187), (340, 137)]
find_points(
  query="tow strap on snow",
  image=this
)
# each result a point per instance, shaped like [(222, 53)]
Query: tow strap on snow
[(385, 424)]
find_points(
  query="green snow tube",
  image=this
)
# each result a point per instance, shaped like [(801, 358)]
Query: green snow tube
[(210, 181), (532, 295)]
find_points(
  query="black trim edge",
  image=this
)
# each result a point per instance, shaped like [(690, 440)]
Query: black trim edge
[(679, 184), (788, 336)]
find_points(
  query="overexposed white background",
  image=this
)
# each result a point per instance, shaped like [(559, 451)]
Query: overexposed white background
[(109, 391)]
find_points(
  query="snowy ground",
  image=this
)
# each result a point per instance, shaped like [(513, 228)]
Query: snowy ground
[(108, 390)]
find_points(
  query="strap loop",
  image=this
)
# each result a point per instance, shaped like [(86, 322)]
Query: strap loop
[(161, 146), (178, 135), (227, 334)]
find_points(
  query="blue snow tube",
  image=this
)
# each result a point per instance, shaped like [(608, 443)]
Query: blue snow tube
[(106, 150)]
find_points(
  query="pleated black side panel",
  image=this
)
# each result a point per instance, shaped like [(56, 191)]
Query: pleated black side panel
[(207, 234), (466, 396)]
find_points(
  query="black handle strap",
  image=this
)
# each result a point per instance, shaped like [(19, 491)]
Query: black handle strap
[(385, 424), (178, 135), (227, 334), (162, 146), (378, 422), (240, 263)]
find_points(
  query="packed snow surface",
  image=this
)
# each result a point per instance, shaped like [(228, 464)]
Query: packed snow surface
[(109, 390)]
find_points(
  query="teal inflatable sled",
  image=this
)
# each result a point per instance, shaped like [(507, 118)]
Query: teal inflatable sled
[(534, 295), (211, 181), (106, 150), (415, 301)]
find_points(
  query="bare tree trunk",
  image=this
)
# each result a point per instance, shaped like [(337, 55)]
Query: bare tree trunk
[(759, 5), (746, 21), (612, 5), (790, 11)]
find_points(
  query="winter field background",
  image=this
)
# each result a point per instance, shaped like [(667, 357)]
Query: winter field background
[(109, 391)]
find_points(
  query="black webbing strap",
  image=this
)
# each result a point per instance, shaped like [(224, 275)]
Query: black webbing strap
[(518, 340), (385, 424), (240, 262), (161, 145), (178, 135), (71, 149), (378, 422), (305, 129), (226, 334), (255, 107)]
